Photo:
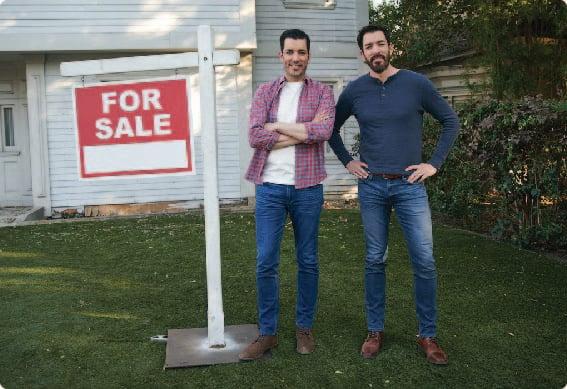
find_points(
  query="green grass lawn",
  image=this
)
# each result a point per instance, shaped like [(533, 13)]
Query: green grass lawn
[(79, 302)]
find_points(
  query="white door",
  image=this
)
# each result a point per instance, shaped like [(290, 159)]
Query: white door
[(15, 173)]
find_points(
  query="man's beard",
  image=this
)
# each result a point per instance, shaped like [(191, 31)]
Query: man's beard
[(378, 68), (295, 73)]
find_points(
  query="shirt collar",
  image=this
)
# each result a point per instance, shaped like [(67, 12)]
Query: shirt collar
[(388, 80), (282, 79)]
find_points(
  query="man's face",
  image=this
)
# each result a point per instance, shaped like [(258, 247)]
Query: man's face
[(295, 58), (376, 51)]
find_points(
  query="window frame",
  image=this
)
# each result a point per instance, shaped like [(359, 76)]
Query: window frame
[(3, 146), (310, 4)]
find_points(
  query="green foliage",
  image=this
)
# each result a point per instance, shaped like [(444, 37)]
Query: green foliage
[(508, 172), (523, 43), (424, 31)]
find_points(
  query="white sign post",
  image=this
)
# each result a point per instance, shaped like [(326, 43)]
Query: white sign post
[(212, 220), (185, 347)]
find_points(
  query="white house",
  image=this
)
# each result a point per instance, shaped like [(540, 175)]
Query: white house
[(38, 154)]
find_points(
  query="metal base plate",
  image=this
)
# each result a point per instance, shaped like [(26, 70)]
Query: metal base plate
[(190, 347)]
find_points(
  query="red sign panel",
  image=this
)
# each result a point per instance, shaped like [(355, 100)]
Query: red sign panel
[(133, 128)]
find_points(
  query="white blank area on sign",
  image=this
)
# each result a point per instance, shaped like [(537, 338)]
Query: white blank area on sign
[(136, 156)]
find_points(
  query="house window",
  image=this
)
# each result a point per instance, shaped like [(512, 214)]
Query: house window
[(312, 4), (7, 127), (451, 100)]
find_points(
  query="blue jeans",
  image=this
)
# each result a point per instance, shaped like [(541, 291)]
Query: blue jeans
[(377, 197), (273, 203)]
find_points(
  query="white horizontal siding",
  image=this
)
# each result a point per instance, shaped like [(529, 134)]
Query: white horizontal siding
[(115, 16), (68, 191), (122, 24), (191, 26), (327, 25)]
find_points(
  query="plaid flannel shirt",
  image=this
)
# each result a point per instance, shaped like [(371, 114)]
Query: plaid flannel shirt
[(316, 110)]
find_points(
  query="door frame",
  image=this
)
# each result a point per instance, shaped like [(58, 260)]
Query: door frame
[(15, 97)]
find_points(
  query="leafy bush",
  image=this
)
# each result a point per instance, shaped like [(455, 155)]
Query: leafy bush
[(507, 174)]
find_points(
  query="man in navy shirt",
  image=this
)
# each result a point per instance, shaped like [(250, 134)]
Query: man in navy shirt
[(388, 104)]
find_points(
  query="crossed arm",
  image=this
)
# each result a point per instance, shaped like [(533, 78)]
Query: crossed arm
[(289, 133), (278, 135), (285, 141)]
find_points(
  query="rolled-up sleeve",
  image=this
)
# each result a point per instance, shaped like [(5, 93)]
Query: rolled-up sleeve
[(321, 127), (258, 137)]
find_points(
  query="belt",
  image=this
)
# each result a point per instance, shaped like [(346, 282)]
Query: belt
[(386, 176)]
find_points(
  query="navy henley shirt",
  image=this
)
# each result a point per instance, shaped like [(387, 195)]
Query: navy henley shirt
[(390, 117)]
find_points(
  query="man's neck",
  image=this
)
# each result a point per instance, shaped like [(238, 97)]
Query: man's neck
[(294, 79), (387, 73)]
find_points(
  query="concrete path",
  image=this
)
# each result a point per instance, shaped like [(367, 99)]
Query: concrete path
[(11, 216)]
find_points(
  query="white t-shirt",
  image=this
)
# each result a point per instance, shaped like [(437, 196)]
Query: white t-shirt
[(280, 165)]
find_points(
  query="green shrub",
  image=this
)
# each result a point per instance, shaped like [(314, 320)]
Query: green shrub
[(507, 173)]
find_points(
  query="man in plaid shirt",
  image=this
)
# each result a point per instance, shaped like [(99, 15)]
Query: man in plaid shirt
[(290, 120)]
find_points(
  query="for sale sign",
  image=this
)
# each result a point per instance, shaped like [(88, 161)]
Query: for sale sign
[(133, 128)]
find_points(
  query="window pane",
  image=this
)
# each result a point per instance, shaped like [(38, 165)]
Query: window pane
[(314, 4), (9, 127)]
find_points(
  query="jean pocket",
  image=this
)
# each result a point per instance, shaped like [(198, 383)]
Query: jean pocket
[(266, 189), (313, 194)]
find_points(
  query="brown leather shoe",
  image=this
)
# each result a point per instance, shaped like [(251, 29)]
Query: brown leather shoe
[(432, 350), (372, 345), (258, 347), (305, 341)]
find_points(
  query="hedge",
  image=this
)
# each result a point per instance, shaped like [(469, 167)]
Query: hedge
[(507, 173)]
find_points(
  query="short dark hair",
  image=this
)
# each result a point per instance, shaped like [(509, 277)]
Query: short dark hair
[(294, 34), (371, 28)]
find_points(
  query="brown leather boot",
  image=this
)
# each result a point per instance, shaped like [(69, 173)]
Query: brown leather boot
[(258, 347), (372, 345), (433, 352), (305, 341)]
